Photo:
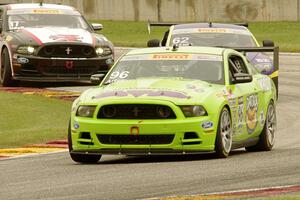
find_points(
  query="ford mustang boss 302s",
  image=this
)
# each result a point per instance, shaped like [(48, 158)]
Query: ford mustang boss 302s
[(174, 100), (218, 35), (48, 42)]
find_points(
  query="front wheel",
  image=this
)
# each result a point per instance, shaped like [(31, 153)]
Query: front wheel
[(267, 136), (224, 134), (5, 70), (81, 158)]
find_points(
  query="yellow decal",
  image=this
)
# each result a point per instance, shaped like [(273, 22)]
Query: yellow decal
[(8, 38), (45, 11), (212, 30), (170, 57), (274, 74)]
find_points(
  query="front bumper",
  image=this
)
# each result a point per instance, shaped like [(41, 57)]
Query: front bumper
[(59, 69), (143, 137)]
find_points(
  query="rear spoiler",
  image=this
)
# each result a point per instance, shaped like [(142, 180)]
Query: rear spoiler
[(274, 50), (176, 23)]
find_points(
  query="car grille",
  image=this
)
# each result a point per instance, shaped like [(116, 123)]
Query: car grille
[(82, 70), (135, 111), (67, 51), (136, 139)]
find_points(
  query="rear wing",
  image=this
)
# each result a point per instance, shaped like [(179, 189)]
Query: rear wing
[(274, 51), (150, 24)]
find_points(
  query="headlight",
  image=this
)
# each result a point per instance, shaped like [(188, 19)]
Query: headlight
[(193, 111), (103, 51), (85, 111), (28, 50)]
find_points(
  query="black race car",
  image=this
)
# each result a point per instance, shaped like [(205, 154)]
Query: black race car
[(49, 42)]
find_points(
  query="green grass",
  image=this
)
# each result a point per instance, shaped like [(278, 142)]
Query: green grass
[(284, 34), (31, 119), (128, 33), (135, 34)]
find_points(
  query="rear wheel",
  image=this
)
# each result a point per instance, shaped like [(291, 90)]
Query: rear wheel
[(5, 71), (267, 136), (224, 134), (81, 158)]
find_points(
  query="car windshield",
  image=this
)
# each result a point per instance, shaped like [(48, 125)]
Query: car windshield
[(212, 37), (19, 21), (205, 67)]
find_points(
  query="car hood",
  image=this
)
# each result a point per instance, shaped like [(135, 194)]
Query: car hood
[(178, 91), (44, 35)]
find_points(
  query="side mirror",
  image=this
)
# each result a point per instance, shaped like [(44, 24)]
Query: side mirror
[(97, 27), (96, 78), (241, 78), (153, 43), (268, 43)]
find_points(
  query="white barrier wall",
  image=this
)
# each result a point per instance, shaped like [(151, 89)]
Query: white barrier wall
[(184, 10)]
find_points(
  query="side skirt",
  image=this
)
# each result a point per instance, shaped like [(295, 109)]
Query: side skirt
[(245, 143)]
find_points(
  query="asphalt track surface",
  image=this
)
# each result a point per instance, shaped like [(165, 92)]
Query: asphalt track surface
[(55, 176)]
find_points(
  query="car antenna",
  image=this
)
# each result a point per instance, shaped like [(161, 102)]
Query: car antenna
[(175, 47), (210, 24)]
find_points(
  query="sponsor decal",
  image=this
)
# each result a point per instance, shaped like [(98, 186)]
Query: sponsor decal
[(145, 92), (76, 125), (134, 131), (170, 56), (262, 60), (227, 93), (240, 112), (45, 11), (265, 84), (211, 30), (207, 125), (262, 118), (66, 38), (195, 88), (22, 60), (69, 64), (233, 106), (251, 112), (232, 103)]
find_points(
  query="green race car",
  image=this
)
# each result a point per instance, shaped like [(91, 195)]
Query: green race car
[(174, 100)]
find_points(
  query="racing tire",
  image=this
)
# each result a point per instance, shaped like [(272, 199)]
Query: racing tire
[(81, 158), (267, 136), (6, 73), (223, 141)]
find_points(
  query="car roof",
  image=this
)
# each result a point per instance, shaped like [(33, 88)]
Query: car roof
[(23, 6), (181, 49), (209, 25)]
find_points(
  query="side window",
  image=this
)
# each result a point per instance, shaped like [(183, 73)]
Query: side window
[(237, 65), (164, 40)]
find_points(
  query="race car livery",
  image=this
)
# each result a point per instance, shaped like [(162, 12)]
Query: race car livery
[(219, 35), (176, 100), (47, 42)]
